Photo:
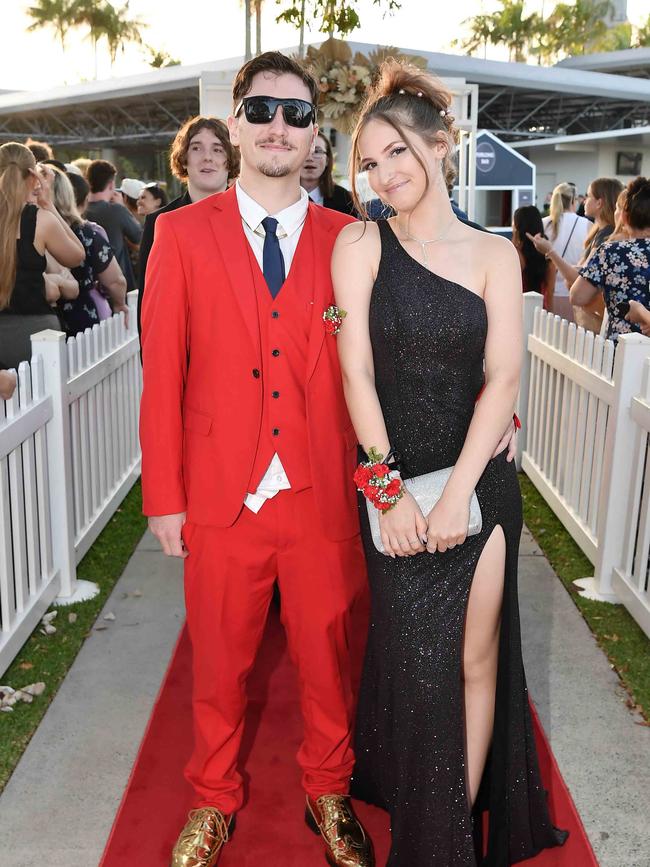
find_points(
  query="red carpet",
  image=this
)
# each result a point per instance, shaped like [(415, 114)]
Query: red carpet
[(270, 829)]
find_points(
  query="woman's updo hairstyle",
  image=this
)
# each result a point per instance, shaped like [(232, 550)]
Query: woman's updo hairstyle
[(410, 100), (637, 204)]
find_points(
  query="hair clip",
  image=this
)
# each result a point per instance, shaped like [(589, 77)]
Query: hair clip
[(419, 93), (443, 113), (401, 90)]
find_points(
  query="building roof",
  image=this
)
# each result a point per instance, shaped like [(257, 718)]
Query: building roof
[(516, 101), (629, 61), (640, 132)]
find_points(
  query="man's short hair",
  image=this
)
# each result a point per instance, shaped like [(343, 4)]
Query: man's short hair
[(181, 145), (277, 63), (41, 150), (80, 187), (99, 175)]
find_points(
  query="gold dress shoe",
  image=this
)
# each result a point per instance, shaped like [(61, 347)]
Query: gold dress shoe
[(346, 843), (202, 838)]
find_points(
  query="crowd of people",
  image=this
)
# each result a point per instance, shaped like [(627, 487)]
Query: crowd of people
[(71, 289), (593, 269), (588, 256)]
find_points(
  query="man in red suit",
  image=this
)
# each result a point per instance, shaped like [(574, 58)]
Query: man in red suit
[(248, 455)]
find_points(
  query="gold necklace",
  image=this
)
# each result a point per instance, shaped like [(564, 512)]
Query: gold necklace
[(423, 244)]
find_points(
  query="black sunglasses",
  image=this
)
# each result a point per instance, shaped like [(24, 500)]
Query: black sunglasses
[(262, 109)]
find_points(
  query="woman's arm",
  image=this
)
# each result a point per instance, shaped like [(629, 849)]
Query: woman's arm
[(61, 277), (354, 264), (448, 520), (52, 232), (582, 292), (640, 315), (114, 282), (544, 246), (591, 277)]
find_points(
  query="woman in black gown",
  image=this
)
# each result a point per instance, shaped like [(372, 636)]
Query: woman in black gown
[(433, 316)]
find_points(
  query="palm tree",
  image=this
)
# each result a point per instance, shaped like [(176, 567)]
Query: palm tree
[(57, 14), (122, 30), (258, 26), (247, 24), (104, 21), (482, 28)]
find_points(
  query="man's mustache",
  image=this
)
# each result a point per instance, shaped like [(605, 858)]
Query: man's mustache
[(283, 142)]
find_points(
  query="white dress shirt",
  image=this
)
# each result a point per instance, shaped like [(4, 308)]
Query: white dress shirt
[(290, 220), (316, 196)]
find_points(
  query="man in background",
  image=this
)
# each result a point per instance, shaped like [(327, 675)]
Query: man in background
[(115, 219), (202, 157)]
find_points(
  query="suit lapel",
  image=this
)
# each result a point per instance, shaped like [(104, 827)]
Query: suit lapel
[(227, 228), (321, 256)]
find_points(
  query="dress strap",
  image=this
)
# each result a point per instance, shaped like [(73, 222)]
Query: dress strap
[(28, 223)]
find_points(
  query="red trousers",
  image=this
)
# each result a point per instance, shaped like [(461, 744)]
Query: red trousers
[(229, 578)]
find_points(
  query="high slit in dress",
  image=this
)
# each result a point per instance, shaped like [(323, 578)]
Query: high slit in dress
[(428, 337)]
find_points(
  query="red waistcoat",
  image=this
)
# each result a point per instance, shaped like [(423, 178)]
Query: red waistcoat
[(285, 324), (207, 402)]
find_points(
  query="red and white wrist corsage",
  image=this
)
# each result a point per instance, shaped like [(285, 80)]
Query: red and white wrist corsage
[(333, 318), (378, 483)]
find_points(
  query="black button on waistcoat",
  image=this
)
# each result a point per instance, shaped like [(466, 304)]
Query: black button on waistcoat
[(256, 373), (275, 353)]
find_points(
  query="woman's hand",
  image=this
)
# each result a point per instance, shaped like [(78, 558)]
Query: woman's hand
[(403, 528), (447, 523), (45, 195), (122, 308), (640, 315), (52, 290), (542, 245)]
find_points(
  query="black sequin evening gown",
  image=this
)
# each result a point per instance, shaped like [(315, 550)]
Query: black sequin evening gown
[(428, 337)]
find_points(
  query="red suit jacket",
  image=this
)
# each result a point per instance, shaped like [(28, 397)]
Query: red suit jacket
[(201, 407)]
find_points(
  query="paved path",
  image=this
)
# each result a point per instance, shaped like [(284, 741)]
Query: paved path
[(59, 805)]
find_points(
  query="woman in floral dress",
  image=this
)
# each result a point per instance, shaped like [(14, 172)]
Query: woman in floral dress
[(621, 269), (99, 265)]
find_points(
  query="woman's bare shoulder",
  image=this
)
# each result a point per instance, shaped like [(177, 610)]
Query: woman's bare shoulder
[(364, 236), (496, 247)]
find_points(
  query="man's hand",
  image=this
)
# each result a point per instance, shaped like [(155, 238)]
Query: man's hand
[(167, 529), (509, 440)]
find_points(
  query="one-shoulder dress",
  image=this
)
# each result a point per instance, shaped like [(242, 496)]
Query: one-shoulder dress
[(428, 337)]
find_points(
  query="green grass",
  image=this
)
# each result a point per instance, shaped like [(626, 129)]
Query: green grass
[(618, 634), (48, 658)]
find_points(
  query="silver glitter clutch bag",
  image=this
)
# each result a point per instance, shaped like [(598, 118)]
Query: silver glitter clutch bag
[(427, 490)]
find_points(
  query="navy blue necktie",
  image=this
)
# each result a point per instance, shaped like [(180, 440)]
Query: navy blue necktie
[(272, 261)]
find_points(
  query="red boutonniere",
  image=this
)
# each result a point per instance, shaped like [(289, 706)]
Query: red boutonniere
[(333, 318)]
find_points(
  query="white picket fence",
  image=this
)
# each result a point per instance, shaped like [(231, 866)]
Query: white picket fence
[(631, 572), (69, 452), (587, 431)]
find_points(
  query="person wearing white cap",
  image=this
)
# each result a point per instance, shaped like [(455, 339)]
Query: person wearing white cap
[(120, 225), (130, 187)]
